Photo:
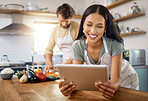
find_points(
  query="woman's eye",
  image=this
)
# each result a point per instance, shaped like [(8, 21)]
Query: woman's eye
[(89, 25), (100, 26)]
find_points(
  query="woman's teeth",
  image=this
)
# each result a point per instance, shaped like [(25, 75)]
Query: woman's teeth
[(93, 36)]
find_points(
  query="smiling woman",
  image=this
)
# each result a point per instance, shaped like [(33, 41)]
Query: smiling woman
[(98, 43), (42, 34)]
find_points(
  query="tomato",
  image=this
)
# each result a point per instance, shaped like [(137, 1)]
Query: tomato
[(41, 77)]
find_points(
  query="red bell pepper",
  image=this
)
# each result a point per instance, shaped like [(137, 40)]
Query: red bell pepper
[(41, 77)]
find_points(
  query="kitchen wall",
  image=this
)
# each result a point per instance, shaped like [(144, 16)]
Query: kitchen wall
[(90, 2), (17, 47), (134, 41)]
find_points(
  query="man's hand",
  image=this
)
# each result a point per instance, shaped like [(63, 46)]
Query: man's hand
[(49, 63), (48, 67)]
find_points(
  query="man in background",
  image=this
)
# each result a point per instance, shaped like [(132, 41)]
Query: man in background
[(63, 35)]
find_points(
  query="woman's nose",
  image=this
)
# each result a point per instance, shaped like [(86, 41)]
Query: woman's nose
[(93, 30)]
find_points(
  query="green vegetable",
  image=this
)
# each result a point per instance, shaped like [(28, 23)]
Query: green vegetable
[(52, 78), (20, 74)]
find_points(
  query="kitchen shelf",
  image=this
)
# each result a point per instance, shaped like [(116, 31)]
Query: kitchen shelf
[(129, 17), (120, 2), (36, 13), (133, 33)]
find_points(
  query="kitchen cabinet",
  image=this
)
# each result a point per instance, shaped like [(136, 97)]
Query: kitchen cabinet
[(35, 13), (118, 3), (143, 77)]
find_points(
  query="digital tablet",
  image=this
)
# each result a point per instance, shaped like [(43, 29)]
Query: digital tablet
[(84, 76)]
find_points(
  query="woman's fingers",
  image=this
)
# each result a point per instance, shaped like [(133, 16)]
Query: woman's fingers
[(108, 87), (106, 96), (69, 90), (61, 83), (63, 88), (106, 90), (105, 93)]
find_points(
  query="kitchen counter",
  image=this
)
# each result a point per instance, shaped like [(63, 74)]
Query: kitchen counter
[(13, 90), (20, 67)]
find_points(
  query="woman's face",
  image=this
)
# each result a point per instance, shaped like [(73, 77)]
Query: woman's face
[(94, 27)]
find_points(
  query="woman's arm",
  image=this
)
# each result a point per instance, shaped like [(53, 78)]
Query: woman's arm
[(77, 62), (116, 68), (108, 89), (69, 61)]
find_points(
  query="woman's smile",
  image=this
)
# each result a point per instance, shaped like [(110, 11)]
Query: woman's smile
[(92, 36)]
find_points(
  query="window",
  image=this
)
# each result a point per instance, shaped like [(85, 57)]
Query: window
[(41, 36)]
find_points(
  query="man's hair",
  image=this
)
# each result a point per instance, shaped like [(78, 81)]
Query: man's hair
[(65, 10)]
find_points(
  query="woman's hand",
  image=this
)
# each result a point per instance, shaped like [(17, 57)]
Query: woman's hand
[(66, 89), (107, 89)]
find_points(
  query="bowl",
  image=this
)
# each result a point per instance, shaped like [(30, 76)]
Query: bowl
[(14, 6), (6, 76)]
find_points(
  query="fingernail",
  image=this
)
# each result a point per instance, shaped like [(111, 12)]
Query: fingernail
[(99, 82), (96, 83), (74, 86), (71, 83)]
